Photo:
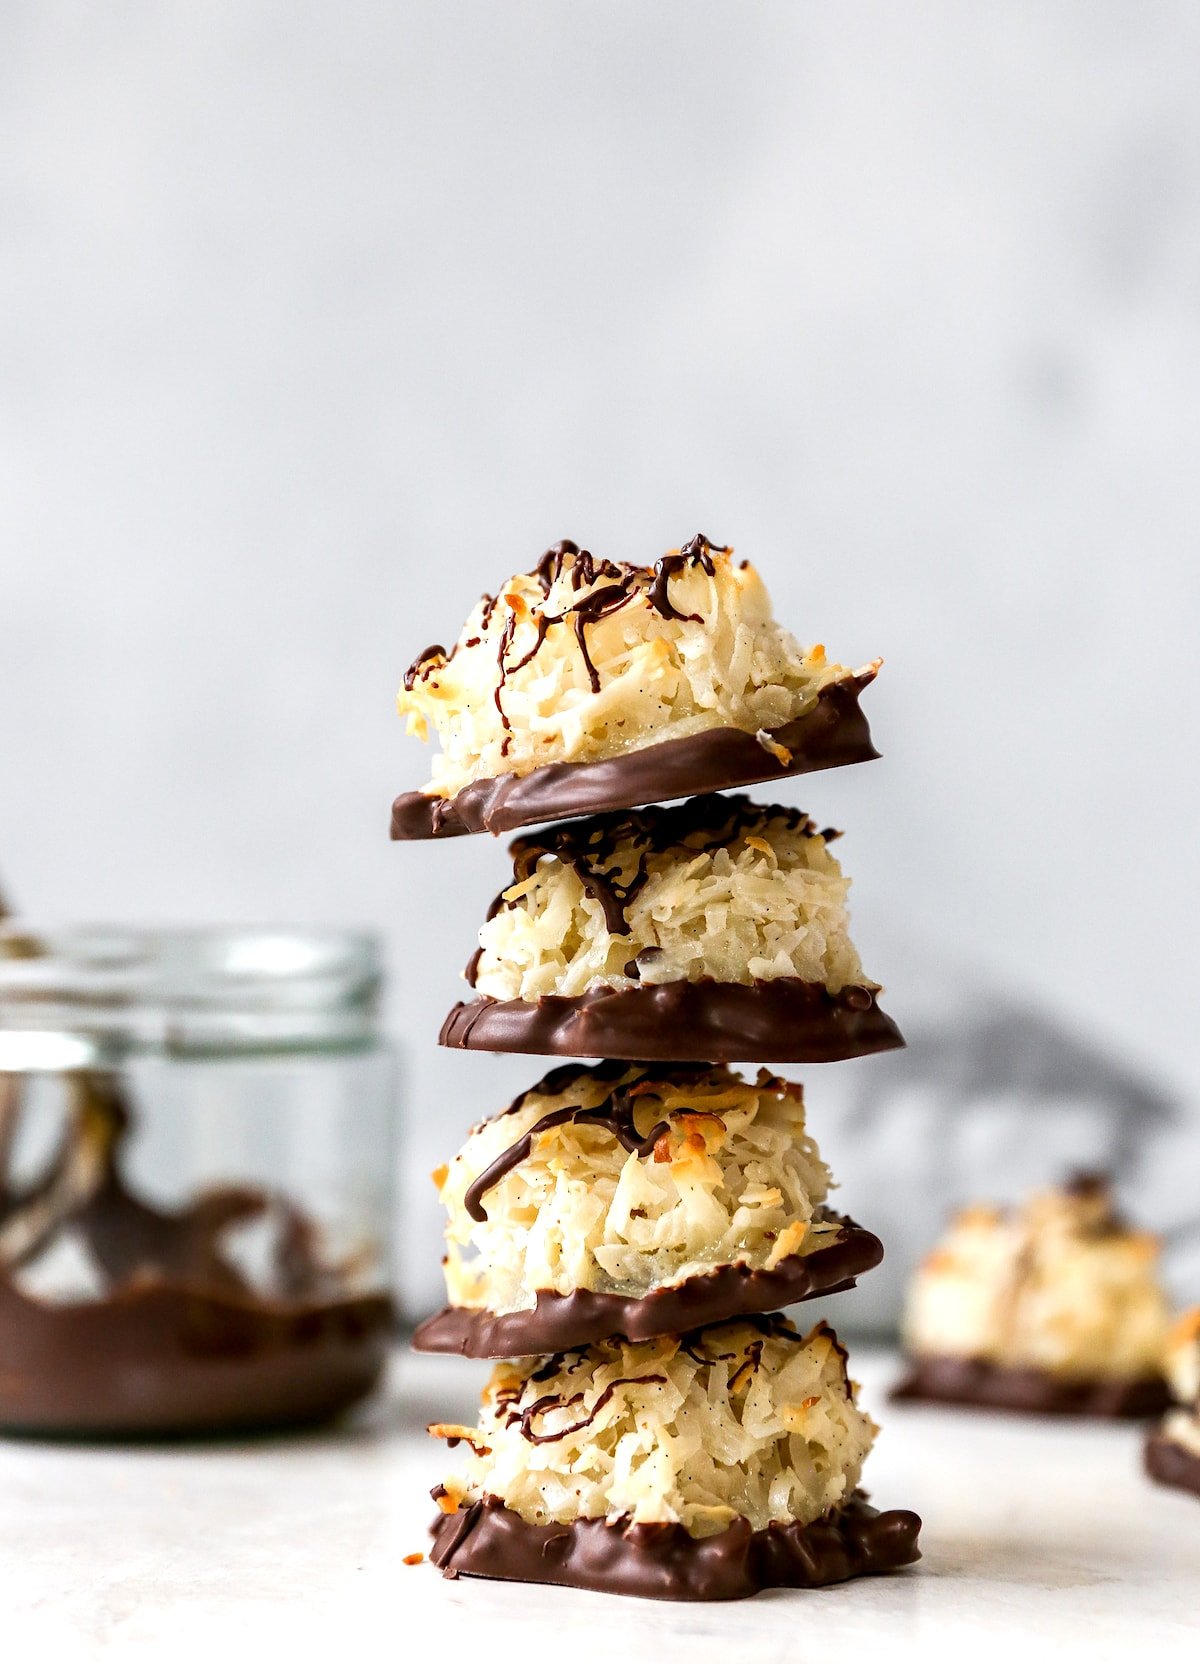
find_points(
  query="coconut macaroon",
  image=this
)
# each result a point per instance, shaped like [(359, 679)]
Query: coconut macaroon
[(1173, 1449), (698, 1466), (715, 928), (588, 685), (1056, 1307), (630, 1200)]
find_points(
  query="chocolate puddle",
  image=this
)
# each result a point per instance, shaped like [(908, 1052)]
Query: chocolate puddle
[(663, 1562), (562, 1322)]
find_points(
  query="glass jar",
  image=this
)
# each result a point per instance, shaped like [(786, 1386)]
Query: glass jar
[(197, 1166)]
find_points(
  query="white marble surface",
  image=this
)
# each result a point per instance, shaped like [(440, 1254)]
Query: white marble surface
[(1038, 1537)]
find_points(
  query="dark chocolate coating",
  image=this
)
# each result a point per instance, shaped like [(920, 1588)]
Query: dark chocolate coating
[(833, 733), (783, 1020), (663, 1562), (981, 1385), (1172, 1464), (560, 1322), (156, 1359)]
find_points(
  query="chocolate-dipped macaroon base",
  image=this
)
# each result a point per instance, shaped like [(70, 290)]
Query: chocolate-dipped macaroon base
[(832, 734), (780, 1020), (560, 1322), (978, 1384), (664, 1562), (1169, 1463)]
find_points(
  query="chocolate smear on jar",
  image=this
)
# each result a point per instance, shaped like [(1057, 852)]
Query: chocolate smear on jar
[(178, 1342)]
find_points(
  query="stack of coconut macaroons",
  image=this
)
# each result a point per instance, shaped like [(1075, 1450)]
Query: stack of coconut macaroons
[(622, 1235)]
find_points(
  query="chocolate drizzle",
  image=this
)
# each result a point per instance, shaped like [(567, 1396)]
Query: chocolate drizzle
[(615, 1115), (560, 1322), (594, 849), (566, 1075), (663, 1562), (979, 1384), (555, 1401), (582, 569), (506, 636), (699, 551), (780, 1020), (422, 664), (622, 583), (831, 734)]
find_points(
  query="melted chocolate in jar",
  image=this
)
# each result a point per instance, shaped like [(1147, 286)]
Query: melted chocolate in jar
[(179, 1342)]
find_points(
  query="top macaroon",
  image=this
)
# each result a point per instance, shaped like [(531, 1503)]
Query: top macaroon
[(588, 685)]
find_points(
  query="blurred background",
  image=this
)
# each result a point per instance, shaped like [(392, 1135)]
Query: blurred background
[(316, 321)]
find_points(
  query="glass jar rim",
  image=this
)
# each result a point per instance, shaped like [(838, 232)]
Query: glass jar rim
[(84, 995)]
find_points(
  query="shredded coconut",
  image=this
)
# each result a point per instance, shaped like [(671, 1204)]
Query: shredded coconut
[(583, 659), (761, 898), (741, 1419), (732, 1178)]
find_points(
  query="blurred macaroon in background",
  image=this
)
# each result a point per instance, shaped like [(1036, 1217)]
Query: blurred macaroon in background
[(315, 322)]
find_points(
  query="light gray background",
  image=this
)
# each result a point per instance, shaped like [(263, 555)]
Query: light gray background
[(316, 319)]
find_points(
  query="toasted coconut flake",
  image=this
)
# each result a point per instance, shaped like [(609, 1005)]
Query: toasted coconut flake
[(454, 1434), (772, 746)]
